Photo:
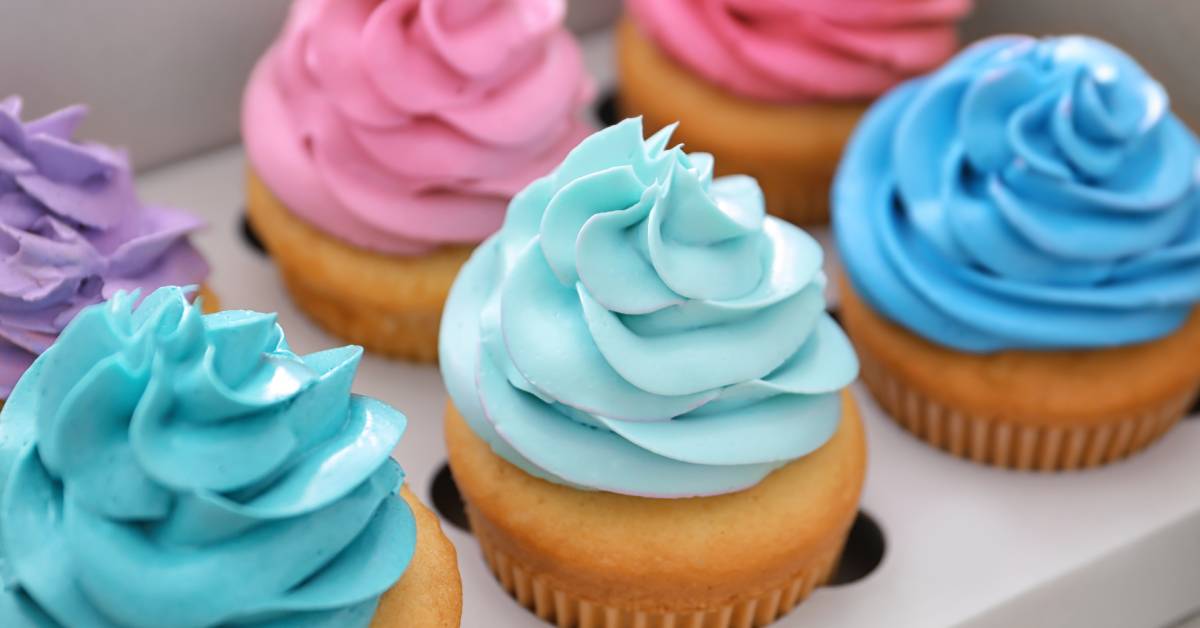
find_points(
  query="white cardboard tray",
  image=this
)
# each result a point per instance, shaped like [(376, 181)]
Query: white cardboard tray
[(966, 545)]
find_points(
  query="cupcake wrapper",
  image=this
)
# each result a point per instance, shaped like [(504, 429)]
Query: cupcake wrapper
[(538, 593), (991, 441), (411, 335)]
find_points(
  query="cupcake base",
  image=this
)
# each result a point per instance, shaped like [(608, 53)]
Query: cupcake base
[(591, 558), (791, 149), (389, 304), (1027, 410), (430, 591)]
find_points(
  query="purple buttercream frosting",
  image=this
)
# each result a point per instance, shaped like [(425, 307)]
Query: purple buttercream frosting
[(73, 233)]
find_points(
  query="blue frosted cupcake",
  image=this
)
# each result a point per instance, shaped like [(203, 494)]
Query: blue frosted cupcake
[(647, 416), (158, 466), (1021, 234)]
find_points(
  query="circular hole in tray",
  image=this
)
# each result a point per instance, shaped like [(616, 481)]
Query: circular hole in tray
[(447, 501), (249, 236), (864, 551), (606, 108)]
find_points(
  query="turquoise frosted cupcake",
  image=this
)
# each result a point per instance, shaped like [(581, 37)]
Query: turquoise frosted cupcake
[(158, 465)]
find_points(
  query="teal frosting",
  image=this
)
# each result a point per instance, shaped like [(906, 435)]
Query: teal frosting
[(162, 468), (1031, 194), (640, 328)]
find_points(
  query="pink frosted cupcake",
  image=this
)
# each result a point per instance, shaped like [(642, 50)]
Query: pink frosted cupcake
[(773, 88), (384, 141)]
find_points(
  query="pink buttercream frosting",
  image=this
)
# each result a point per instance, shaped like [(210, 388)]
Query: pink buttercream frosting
[(802, 50), (401, 125)]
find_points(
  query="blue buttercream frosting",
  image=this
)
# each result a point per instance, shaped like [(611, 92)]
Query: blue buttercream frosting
[(164, 468), (1031, 194), (639, 327)]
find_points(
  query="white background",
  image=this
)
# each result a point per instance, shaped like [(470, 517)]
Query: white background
[(164, 77)]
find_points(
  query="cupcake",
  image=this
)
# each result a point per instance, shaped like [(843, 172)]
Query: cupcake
[(648, 420), (73, 233), (385, 139), (156, 463), (774, 89), (1021, 233)]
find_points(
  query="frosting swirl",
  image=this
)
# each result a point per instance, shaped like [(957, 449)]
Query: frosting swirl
[(156, 463), (638, 327), (1034, 194), (400, 125), (72, 233), (799, 50)]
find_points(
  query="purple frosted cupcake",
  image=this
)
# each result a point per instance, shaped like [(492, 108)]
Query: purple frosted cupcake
[(73, 233)]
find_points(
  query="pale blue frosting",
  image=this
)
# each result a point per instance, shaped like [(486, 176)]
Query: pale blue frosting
[(1031, 194), (164, 468), (640, 328)]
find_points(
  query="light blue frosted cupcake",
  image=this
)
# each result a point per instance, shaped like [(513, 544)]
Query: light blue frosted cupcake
[(641, 344)]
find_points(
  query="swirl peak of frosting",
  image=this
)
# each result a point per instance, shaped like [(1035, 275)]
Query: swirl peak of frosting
[(157, 463), (642, 328), (802, 50), (401, 125), (1031, 194), (73, 232)]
